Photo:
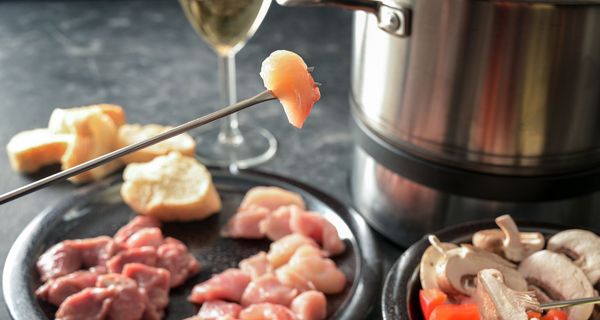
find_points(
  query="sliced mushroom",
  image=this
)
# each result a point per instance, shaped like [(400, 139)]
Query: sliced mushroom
[(430, 259), (496, 301), (560, 279), (491, 256), (491, 240), (583, 247), (508, 241), (457, 272)]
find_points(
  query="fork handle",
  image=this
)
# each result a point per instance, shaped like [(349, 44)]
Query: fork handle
[(569, 303), (19, 192)]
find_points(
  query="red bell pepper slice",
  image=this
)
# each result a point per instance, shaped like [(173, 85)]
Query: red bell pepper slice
[(555, 314), (431, 299), (456, 312)]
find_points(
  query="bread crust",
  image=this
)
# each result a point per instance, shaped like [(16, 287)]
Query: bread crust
[(172, 187), (133, 133), (73, 136), (30, 150), (94, 134), (60, 118)]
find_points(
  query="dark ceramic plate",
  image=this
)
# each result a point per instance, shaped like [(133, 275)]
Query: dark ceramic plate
[(98, 210), (400, 296)]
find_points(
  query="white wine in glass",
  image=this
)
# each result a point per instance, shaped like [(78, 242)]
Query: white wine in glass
[(226, 25)]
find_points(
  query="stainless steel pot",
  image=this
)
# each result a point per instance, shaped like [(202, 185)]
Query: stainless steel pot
[(496, 101)]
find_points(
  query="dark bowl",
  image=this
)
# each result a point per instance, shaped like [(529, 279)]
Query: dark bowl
[(400, 296)]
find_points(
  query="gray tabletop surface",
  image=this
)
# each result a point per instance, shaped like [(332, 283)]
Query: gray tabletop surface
[(144, 56)]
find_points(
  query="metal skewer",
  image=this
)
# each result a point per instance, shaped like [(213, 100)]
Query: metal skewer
[(569, 303), (19, 192)]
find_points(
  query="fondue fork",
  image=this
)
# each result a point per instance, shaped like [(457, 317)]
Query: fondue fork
[(569, 303), (34, 186)]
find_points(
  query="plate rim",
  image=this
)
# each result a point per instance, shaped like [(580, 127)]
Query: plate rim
[(366, 284), (405, 268)]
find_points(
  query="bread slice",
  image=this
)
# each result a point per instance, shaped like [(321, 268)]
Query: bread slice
[(30, 150), (115, 112), (60, 119), (94, 134), (132, 133), (172, 187)]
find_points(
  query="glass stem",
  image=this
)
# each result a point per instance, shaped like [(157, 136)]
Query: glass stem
[(230, 133)]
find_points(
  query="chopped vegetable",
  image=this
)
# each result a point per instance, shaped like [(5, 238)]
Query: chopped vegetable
[(455, 312), (431, 299), (555, 314), (534, 315)]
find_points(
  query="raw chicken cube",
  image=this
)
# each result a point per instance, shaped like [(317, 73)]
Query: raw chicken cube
[(310, 305), (57, 290), (99, 270), (293, 219), (331, 240), (89, 304), (218, 310), (147, 237), (228, 285), (268, 289), (115, 280), (277, 225), (174, 256), (153, 282), (271, 198), (318, 228), (267, 311), (95, 251), (287, 76), (307, 223), (282, 250), (71, 255), (256, 265), (60, 260), (128, 302), (322, 272), (288, 275), (136, 224), (145, 255), (245, 223), (309, 251)]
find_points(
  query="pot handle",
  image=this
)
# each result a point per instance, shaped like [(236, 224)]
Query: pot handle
[(394, 20)]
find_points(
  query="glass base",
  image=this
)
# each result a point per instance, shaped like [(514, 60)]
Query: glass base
[(255, 146)]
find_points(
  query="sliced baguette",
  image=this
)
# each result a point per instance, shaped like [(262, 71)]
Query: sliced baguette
[(60, 119), (94, 134), (132, 133), (30, 150), (172, 187)]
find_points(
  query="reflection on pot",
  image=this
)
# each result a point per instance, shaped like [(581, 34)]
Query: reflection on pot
[(404, 211), (507, 87)]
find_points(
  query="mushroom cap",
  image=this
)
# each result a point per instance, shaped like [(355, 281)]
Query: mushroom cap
[(429, 261), (490, 255), (490, 240), (462, 265), (508, 241), (518, 245), (496, 301), (557, 276), (583, 247)]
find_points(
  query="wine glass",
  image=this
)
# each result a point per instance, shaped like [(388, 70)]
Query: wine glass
[(226, 25)]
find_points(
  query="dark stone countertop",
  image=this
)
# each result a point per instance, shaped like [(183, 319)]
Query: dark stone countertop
[(145, 56)]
